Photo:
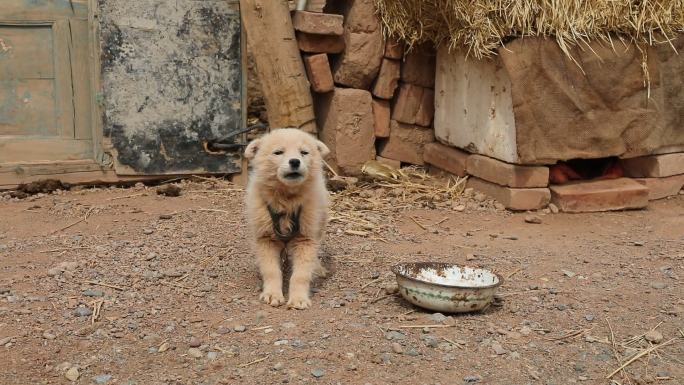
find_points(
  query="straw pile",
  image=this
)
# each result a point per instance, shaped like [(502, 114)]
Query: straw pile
[(482, 26)]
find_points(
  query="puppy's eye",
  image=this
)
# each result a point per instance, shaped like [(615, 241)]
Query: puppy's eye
[(278, 152), (303, 152)]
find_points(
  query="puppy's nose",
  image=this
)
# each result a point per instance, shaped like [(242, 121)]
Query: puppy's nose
[(294, 163)]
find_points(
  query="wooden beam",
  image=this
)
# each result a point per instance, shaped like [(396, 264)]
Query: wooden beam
[(279, 64)]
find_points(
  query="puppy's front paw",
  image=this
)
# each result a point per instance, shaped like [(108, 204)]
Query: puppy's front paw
[(272, 298), (299, 302)]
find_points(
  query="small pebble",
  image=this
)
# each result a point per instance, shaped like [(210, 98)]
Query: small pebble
[(533, 219), (83, 311), (102, 378), (438, 317), (554, 209), (93, 293), (638, 243), (397, 348), (148, 231), (395, 335), (278, 366), (589, 317), (654, 336), (240, 328), (498, 349), (391, 288), (49, 336), (163, 347), (72, 374), (569, 273), (658, 285), (472, 379), (281, 342), (195, 342), (195, 353), (212, 355), (55, 271), (318, 373), (499, 206), (165, 216), (459, 208)]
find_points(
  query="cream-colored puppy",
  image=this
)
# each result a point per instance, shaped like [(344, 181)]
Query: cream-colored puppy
[(287, 204)]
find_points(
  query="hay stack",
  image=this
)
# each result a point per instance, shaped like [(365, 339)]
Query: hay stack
[(482, 26)]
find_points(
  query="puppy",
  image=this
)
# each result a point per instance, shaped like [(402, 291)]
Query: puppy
[(287, 205)]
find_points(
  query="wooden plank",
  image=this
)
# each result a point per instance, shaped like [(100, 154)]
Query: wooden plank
[(81, 80), (77, 177), (64, 92), (43, 10), (26, 52), (279, 64), (35, 149), (27, 107)]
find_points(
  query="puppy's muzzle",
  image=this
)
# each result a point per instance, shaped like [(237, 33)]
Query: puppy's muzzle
[(294, 169)]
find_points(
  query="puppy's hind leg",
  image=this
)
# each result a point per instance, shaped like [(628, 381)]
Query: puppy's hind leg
[(303, 254), (268, 258)]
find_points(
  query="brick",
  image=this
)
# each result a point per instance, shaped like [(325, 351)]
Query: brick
[(426, 110), (318, 71), (654, 166), (359, 64), (381, 115), (320, 43), (407, 103), (388, 162), (388, 79), (419, 67), (318, 23), (659, 188), (446, 158), (506, 174), (406, 143), (519, 199), (346, 126), (394, 49), (600, 195)]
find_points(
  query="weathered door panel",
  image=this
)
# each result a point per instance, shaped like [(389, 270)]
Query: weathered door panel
[(42, 67), (172, 80)]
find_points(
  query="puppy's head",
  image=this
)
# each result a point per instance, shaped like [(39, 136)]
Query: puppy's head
[(288, 156)]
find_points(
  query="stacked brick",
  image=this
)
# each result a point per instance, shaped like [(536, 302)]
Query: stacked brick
[(372, 100)]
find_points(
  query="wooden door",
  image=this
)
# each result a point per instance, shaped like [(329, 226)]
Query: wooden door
[(45, 91)]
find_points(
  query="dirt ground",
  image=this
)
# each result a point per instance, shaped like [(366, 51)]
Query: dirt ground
[(177, 299)]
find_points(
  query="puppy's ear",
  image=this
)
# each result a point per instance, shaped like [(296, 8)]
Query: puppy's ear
[(252, 148), (322, 148)]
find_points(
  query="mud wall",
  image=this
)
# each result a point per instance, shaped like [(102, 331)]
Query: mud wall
[(171, 82)]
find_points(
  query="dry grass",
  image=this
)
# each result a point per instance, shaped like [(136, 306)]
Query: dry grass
[(482, 26)]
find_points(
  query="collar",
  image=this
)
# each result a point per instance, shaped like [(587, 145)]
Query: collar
[(294, 221)]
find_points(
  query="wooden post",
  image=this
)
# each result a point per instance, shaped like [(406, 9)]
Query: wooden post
[(279, 65)]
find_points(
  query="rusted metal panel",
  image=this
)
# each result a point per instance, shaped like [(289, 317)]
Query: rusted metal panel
[(172, 81)]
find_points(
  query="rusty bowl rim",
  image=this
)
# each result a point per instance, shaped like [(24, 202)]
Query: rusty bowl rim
[(395, 270)]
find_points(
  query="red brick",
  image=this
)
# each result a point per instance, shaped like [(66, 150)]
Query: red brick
[(381, 114), (519, 199), (407, 103), (419, 67), (389, 162), (359, 64), (346, 125), (320, 43), (446, 158), (388, 79), (600, 195), (318, 71), (659, 188), (318, 23), (506, 174), (654, 166), (406, 143), (394, 49), (426, 110)]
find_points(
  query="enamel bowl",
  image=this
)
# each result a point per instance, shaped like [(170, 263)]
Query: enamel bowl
[(446, 287)]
